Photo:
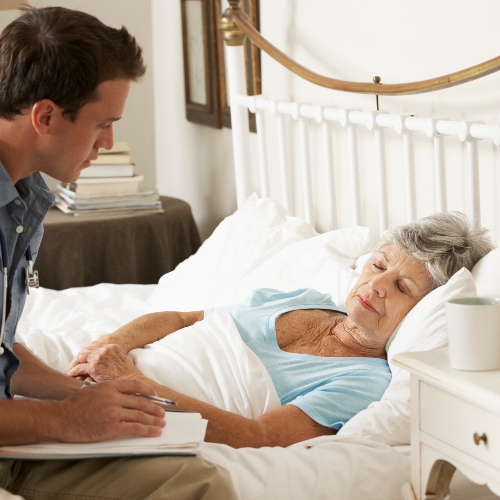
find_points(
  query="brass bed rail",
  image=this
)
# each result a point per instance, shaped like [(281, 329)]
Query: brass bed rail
[(235, 26)]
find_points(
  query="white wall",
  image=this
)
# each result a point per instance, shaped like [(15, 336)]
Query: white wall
[(137, 124), (194, 162), (399, 41)]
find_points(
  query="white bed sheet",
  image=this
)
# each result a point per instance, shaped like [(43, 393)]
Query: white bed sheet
[(56, 324)]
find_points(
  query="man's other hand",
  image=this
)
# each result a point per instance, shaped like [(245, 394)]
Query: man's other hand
[(108, 410)]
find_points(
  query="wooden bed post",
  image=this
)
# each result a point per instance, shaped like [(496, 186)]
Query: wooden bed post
[(234, 39)]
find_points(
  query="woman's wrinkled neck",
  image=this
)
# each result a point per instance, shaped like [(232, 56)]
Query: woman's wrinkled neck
[(357, 341)]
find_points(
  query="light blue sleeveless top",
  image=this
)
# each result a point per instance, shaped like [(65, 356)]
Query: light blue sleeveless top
[(329, 390)]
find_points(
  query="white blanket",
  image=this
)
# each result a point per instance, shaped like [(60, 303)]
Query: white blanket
[(55, 325), (207, 361), (210, 362)]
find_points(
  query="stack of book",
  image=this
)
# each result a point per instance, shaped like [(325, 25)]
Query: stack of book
[(109, 185)]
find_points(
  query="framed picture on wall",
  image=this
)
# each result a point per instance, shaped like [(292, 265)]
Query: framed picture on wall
[(201, 73), (252, 60)]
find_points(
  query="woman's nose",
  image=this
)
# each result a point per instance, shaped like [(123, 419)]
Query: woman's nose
[(379, 285)]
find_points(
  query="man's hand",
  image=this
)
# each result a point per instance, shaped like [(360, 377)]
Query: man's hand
[(100, 361), (108, 410)]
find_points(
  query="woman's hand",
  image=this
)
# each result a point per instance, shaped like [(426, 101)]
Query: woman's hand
[(100, 361)]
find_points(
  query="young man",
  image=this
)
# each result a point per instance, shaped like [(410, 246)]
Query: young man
[(64, 80)]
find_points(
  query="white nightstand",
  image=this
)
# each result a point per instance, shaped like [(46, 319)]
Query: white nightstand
[(455, 423)]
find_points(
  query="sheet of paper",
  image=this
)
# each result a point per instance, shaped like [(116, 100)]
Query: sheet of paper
[(181, 429)]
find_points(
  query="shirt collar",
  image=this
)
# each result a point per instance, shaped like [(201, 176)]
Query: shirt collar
[(8, 192), (34, 182)]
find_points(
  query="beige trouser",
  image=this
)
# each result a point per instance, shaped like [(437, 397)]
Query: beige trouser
[(125, 478)]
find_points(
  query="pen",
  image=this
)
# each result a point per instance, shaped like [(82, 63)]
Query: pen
[(163, 401), (154, 398)]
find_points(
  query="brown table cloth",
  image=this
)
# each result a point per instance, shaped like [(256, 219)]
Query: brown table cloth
[(135, 248)]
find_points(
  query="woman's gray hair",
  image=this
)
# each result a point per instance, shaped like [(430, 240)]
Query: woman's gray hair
[(445, 241)]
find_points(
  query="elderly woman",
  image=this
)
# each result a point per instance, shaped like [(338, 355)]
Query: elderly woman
[(326, 365)]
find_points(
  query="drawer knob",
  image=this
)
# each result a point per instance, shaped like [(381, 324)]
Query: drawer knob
[(478, 438)]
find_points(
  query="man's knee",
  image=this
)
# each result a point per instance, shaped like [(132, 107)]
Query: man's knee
[(195, 478)]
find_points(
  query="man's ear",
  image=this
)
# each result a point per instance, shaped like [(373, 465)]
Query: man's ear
[(43, 115)]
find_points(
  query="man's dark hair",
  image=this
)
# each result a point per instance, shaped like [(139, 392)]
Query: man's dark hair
[(62, 55)]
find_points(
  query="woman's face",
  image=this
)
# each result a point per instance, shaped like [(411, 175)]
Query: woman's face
[(389, 286)]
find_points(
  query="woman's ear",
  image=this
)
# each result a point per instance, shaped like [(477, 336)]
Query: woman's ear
[(43, 115)]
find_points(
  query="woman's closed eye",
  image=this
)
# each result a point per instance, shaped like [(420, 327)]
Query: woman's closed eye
[(398, 284)]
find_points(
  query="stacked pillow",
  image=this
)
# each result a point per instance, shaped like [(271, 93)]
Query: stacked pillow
[(486, 274), (262, 245)]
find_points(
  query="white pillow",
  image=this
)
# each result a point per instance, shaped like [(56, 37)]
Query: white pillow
[(312, 263), (261, 246), (486, 274), (360, 263), (423, 328), (242, 241)]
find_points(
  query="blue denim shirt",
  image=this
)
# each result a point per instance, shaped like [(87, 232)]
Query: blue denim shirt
[(22, 209)]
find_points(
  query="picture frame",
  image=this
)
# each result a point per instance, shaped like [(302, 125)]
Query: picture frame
[(201, 73), (252, 60)]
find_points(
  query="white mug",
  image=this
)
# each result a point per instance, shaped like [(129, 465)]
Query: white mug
[(474, 333)]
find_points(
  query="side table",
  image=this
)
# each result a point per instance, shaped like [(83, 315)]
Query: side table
[(455, 423), (134, 248)]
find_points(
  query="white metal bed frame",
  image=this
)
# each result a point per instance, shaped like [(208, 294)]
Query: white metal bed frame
[(435, 128)]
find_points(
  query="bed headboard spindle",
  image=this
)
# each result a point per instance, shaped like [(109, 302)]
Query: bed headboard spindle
[(330, 119)]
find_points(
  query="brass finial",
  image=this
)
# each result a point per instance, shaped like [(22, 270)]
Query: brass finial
[(233, 35), (376, 79)]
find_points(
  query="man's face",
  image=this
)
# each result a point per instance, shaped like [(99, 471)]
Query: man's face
[(70, 146)]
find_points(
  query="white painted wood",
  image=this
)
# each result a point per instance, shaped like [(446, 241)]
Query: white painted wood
[(336, 115), (415, 429), (411, 200), (382, 181), (481, 131), (433, 367), (239, 122), (261, 140), (440, 172), (435, 128), (407, 492), (459, 431), (329, 178), (416, 124), (283, 162), (311, 111), (448, 407), (289, 108), (306, 172), (477, 471), (445, 127), (358, 117), (473, 182), (352, 138)]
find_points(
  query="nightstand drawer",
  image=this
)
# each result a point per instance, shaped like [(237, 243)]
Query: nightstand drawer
[(455, 421)]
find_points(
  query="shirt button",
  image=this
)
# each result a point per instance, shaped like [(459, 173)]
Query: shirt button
[(19, 229), (17, 202)]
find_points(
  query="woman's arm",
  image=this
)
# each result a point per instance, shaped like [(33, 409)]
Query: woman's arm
[(140, 332), (150, 328), (280, 427)]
